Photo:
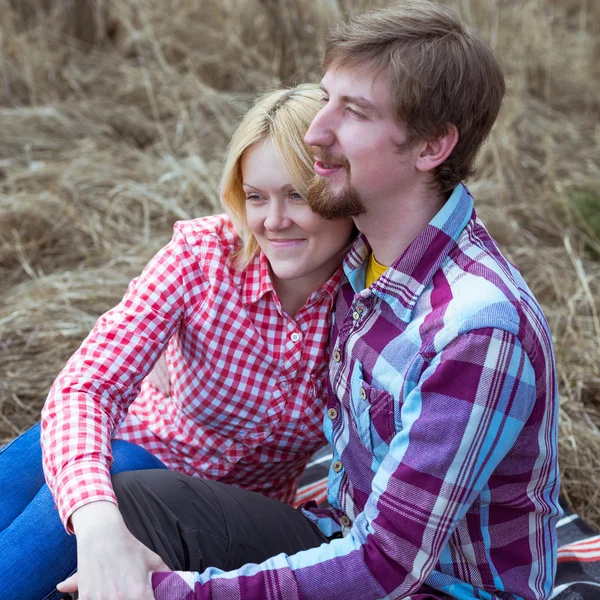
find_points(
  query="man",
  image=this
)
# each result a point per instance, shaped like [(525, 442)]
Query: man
[(443, 403)]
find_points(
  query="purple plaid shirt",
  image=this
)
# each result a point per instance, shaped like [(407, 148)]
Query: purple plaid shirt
[(443, 418)]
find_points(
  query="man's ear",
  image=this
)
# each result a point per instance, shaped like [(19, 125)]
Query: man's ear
[(437, 150)]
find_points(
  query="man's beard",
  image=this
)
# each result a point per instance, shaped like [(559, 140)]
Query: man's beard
[(344, 204)]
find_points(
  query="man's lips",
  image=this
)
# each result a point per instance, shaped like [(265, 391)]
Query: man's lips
[(324, 168)]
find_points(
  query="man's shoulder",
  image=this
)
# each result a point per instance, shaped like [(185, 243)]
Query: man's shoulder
[(489, 277), (476, 287)]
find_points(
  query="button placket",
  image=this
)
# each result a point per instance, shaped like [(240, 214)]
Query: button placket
[(358, 312)]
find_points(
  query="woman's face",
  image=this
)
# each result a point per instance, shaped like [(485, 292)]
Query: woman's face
[(299, 245)]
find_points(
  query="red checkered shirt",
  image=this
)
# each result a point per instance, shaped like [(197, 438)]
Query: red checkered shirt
[(248, 382)]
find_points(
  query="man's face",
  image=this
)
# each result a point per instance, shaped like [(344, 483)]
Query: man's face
[(362, 158)]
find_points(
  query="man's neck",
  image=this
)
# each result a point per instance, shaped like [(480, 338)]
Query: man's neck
[(391, 226)]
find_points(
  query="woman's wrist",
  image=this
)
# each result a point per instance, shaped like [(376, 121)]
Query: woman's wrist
[(95, 516)]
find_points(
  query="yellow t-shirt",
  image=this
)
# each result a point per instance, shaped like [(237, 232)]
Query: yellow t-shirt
[(374, 270)]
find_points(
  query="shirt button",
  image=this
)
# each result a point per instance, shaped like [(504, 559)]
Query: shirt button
[(337, 466), (356, 315), (337, 355), (345, 521), (295, 337), (363, 393), (332, 413)]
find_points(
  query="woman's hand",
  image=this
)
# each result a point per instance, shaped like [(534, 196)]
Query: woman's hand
[(112, 563)]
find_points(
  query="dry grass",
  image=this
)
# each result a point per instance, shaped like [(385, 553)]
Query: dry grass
[(114, 116)]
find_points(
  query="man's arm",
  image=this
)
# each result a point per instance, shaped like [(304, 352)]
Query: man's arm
[(458, 423)]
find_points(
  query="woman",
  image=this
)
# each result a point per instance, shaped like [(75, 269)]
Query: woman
[(240, 304)]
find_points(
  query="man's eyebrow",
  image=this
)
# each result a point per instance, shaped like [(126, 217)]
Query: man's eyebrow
[(359, 101), (362, 103)]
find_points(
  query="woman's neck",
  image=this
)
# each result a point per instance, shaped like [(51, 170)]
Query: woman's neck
[(293, 294)]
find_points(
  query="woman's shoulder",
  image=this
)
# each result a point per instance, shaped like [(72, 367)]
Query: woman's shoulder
[(212, 242), (214, 229)]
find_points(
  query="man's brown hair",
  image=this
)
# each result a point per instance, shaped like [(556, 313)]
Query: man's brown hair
[(439, 72)]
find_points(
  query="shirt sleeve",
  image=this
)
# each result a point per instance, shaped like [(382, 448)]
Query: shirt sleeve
[(90, 397), (458, 422)]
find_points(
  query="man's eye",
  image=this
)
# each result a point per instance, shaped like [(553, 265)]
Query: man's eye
[(324, 99), (354, 114)]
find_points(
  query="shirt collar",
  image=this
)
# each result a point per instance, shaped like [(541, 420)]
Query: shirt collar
[(402, 284), (256, 282), (330, 287)]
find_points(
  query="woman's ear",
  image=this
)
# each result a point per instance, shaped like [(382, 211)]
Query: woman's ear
[(437, 150)]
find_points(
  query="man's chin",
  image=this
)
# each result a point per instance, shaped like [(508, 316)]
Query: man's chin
[(334, 205)]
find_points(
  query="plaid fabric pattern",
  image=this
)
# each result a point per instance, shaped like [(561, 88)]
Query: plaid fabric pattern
[(443, 421), (248, 381)]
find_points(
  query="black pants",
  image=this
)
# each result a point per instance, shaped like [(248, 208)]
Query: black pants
[(193, 524)]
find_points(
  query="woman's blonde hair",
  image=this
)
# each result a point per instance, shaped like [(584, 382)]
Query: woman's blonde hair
[(281, 117)]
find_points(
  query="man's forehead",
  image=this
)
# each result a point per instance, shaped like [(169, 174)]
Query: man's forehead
[(359, 74), (360, 81)]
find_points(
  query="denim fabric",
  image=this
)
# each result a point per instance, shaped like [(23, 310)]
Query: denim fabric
[(36, 553)]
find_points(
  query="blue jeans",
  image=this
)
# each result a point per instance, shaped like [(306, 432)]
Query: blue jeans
[(36, 552)]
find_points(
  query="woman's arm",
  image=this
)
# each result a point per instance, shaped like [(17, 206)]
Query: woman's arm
[(91, 396)]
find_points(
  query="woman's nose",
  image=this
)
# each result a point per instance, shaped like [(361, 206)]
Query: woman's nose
[(277, 217)]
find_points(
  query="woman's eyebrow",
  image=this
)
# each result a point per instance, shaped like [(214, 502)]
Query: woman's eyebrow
[(283, 188)]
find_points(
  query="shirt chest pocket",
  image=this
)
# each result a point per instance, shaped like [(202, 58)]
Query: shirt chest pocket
[(373, 412)]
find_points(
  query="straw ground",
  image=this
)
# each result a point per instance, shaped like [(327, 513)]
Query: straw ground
[(113, 120)]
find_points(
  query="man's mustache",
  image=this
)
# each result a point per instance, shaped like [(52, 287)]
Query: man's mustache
[(327, 158)]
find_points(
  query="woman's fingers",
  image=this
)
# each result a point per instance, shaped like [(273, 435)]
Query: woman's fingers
[(70, 584)]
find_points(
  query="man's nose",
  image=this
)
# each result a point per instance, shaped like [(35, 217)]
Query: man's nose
[(320, 133)]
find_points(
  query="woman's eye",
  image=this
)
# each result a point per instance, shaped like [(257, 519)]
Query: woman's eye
[(254, 198), (324, 99), (296, 197)]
